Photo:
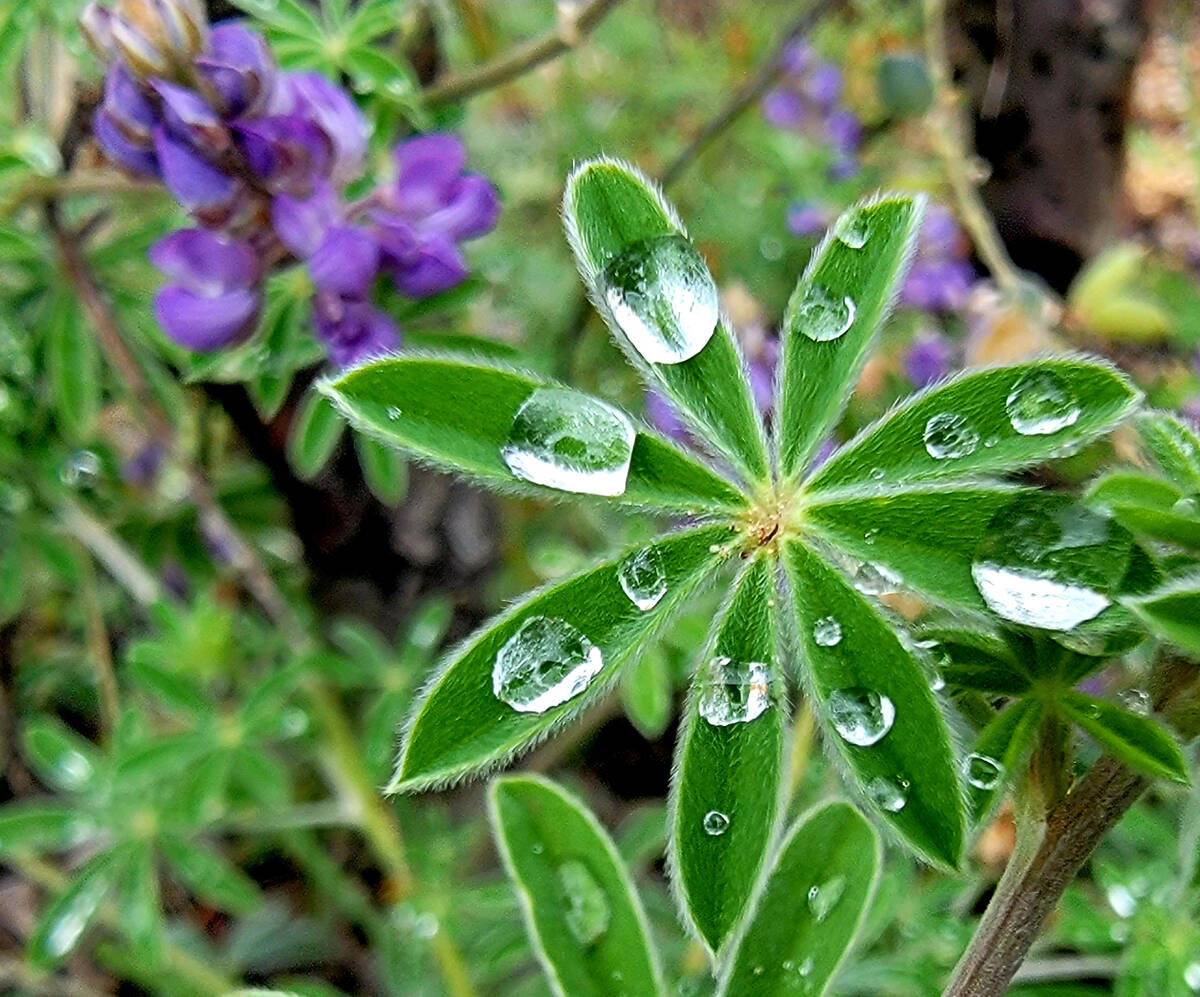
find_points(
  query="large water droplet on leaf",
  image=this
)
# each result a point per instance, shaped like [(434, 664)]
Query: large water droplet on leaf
[(567, 440), (588, 913), (887, 794), (1188, 507), (823, 897), (851, 229), (715, 823), (1041, 403), (875, 579), (982, 772), (643, 578), (821, 316), (861, 716), (733, 692), (545, 663), (949, 435), (1048, 563), (663, 298), (827, 632)]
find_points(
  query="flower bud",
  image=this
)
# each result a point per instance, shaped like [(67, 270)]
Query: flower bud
[(151, 36), (96, 25)]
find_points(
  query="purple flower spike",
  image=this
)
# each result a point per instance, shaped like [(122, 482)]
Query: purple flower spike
[(197, 184), (313, 98), (426, 167), (824, 86), (188, 118), (238, 66), (352, 331), (289, 152), (927, 360), (301, 223), (215, 298), (783, 109), (117, 147), (345, 263)]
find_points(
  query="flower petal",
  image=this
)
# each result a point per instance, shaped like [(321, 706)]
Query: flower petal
[(207, 323), (202, 261), (345, 263)]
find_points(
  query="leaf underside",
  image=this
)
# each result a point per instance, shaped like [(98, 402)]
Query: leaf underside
[(1138, 741)]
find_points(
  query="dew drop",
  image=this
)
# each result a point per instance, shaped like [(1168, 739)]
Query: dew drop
[(567, 440), (851, 229), (948, 435), (827, 632), (663, 298), (886, 794), (1136, 701), (875, 579), (545, 663), (715, 823), (733, 692), (1188, 506), (587, 910), (876, 474), (824, 897), (80, 470), (822, 317), (73, 918), (982, 772), (643, 578), (1049, 565), (1121, 900), (1041, 403), (393, 412), (861, 716), (1191, 976)]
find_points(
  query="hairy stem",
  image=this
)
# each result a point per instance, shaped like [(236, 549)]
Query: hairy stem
[(572, 28)]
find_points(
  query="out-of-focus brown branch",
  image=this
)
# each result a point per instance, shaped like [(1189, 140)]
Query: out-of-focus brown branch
[(572, 28)]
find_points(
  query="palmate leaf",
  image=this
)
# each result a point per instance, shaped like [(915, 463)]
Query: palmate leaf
[(460, 725), (458, 414), (726, 788), (971, 422), (875, 702), (1000, 751), (849, 285), (810, 908), (1136, 740), (583, 915), (612, 214)]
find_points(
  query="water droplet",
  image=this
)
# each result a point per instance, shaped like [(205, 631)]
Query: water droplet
[(1121, 900), (861, 716), (538, 848), (715, 823), (1049, 565), (1040, 403), (425, 925), (948, 436), (1191, 976), (824, 897), (567, 440), (733, 692), (806, 966), (545, 663), (886, 794), (851, 229), (876, 474), (1188, 506), (393, 412), (1137, 701), (663, 298), (588, 912), (991, 441), (827, 632), (875, 579), (80, 470), (643, 578), (982, 772), (67, 928), (822, 317)]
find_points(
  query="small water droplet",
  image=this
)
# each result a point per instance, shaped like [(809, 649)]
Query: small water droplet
[(733, 692), (861, 716), (643, 578), (80, 470), (824, 897), (876, 474), (1188, 506), (806, 966), (1121, 900), (982, 772), (570, 441), (587, 913), (886, 794), (1191, 976), (393, 412), (71, 921), (1041, 403), (827, 632), (425, 926), (948, 435), (822, 317), (545, 663), (875, 579), (663, 298), (851, 229), (1137, 701), (538, 848), (715, 823)]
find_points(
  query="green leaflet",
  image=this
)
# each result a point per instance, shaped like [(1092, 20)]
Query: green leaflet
[(74, 368), (313, 435), (1001, 750), (810, 908), (975, 416), (728, 776), (69, 915), (460, 726), (647, 693), (925, 536), (1173, 612), (458, 414), (1137, 741), (1174, 447), (60, 756), (1149, 506), (138, 899), (851, 278), (581, 911), (40, 827), (614, 217), (384, 470), (868, 688)]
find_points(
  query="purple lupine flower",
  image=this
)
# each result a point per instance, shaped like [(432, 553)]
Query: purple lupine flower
[(345, 263), (1191, 412), (843, 168), (125, 123), (312, 98), (301, 223), (940, 233), (761, 368), (661, 414), (807, 220), (783, 108), (289, 153), (797, 58), (196, 183), (824, 86), (238, 68), (187, 117), (844, 131), (353, 330), (938, 285), (214, 296), (927, 359)]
